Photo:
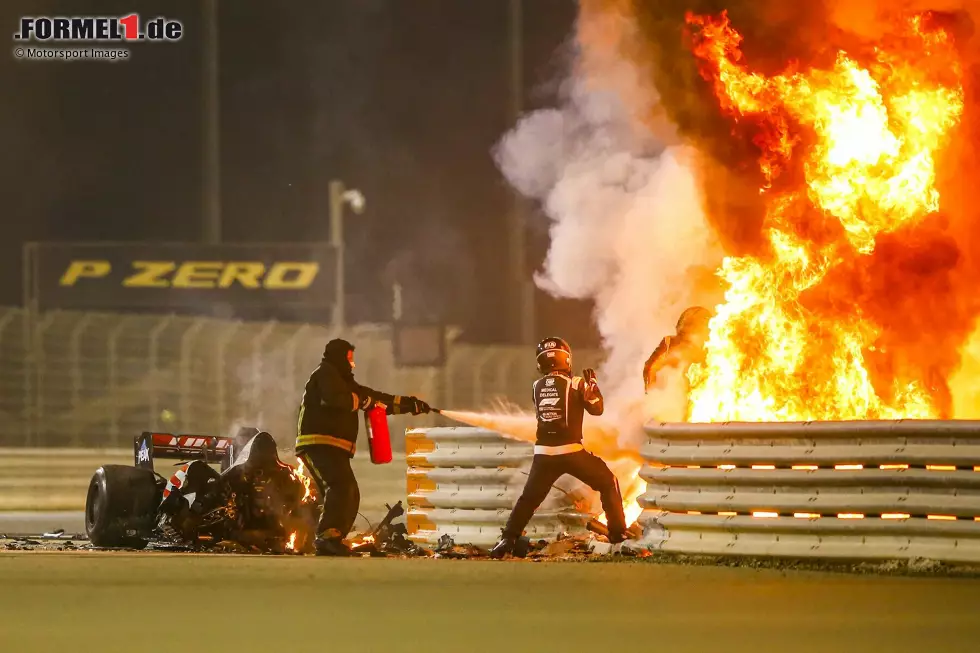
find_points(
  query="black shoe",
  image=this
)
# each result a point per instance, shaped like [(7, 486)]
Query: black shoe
[(332, 546), (502, 547)]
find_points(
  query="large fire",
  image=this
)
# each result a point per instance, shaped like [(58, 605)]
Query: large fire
[(848, 154)]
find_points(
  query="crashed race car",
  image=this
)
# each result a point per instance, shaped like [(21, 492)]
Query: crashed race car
[(255, 503)]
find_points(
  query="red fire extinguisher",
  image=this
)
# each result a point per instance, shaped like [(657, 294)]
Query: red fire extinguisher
[(379, 440)]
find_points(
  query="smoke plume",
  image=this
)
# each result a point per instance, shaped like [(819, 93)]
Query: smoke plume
[(627, 226), (648, 184)]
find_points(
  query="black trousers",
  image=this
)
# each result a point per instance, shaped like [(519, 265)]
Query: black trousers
[(545, 470), (331, 471)]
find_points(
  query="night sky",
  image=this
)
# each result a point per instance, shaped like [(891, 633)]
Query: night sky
[(403, 99)]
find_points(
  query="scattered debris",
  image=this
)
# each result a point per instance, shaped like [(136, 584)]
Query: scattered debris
[(460, 552), (385, 529), (388, 538), (594, 525), (173, 547), (445, 544), (54, 535)]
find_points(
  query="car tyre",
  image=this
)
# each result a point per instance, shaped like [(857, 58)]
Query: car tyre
[(120, 506)]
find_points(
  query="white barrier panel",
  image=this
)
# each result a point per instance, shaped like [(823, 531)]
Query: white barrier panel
[(464, 481), (861, 489)]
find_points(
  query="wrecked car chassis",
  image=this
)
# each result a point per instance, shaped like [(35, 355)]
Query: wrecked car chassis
[(255, 503)]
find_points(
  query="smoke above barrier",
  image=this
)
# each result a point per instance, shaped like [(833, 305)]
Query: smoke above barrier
[(627, 227), (652, 182), (600, 437)]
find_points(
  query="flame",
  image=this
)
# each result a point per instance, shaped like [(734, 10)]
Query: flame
[(634, 488), (291, 544), (363, 540), (300, 475), (848, 155)]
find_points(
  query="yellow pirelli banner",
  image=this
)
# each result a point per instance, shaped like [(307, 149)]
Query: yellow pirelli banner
[(171, 276)]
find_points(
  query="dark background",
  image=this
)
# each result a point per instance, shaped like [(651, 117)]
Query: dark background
[(403, 99)]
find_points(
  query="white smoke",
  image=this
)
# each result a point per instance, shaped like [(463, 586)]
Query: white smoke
[(627, 227)]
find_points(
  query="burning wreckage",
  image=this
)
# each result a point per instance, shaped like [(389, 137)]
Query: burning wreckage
[(255, 504)]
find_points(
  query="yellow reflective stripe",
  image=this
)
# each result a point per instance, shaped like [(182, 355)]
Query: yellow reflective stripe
[(399, 406), (307, 440), (357, 401)]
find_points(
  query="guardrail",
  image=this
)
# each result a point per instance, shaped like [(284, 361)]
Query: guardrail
[(463, 482), (860, 490)]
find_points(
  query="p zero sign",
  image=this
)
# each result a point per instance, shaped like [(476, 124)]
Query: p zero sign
[(178, 275)]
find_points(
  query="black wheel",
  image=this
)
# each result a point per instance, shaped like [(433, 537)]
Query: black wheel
[(120, 506)]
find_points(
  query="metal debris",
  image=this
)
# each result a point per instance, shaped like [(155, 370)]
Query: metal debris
[(388, 538), (445, 544), (635, 532)]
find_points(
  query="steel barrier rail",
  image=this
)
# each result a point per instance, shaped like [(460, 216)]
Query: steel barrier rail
[(861, 489), (463, 482)]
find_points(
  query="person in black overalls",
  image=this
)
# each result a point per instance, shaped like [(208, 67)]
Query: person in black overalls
[(327, 435), (561, 401)]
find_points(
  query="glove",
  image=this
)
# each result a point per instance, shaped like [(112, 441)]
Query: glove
[(589, 375), (419, 406)]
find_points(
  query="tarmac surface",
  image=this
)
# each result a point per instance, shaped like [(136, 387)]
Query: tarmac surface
[(188, 602), (24, 522)]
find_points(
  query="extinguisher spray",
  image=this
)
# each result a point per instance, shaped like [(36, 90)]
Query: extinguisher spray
[(379, 439)]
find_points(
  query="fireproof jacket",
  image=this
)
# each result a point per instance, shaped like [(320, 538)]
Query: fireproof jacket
[(673, 351), (561, 402), (328, 413)]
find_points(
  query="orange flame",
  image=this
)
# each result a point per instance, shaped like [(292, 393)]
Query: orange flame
[(789, 342), (300, 475), (363, 541), (634, 488), (291, 544)]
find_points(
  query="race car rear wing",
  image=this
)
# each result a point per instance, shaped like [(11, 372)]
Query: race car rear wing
[(212, 449)]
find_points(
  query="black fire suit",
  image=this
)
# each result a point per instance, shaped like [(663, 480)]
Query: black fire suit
[(561, 402), (327, 434)]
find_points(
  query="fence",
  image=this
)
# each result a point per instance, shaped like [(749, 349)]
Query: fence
[(97, 379), (463, 482), (872, 490)]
